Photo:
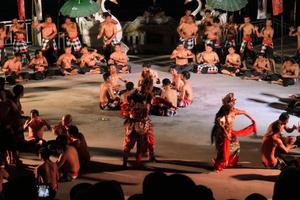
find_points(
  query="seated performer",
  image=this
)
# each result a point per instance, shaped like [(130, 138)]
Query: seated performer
[(125, 105), (138, 130), (115, 78), (177, 82), (188, 32), (181, 56), (35, 127), (62, 127), (65, 62), (271, 145), (207, 61), (3, 37), (261, 69), (289, 73), (72, 34), (39, 64), (68, 163), (90, 61), (223, 135), (166, 103), (147, 71), (232, 63), (107, 98), (12, 69), (119, 59), (186, 92)]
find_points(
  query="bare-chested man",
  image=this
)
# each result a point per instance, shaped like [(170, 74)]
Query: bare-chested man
[(119, 59), (13, 66), (293, 33), (107, 98), (108, 31), (188, 32), (267, 44), (289, 73), (185, 18), (3, 38), (39, 62), (115, 78), (260, 69), (170, 96), (230, 32), (35, 126), (62, 127), (72, 34), (186, 93), (207, 61), (49, 32), (177, 82), (18, 30), (232, 63), (247, 47), (47, 172), (213, 33), (65, 62), (182, 56), (68, 162), (207, 18)]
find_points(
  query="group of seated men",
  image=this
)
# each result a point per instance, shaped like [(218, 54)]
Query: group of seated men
[(164, 101)]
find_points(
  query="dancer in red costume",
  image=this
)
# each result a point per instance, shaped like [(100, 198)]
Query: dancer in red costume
[(223, 135)]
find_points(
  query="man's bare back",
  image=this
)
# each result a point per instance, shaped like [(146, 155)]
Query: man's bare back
[(169, 95)]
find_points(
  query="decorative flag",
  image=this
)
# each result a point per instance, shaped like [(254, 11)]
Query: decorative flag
[(38, 9), (277, 7), (21, 9), (262, 9)]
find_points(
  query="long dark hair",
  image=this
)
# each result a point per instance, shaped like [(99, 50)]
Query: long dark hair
[(223, 111)]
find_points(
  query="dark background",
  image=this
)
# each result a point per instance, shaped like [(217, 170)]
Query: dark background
[(130, 9)]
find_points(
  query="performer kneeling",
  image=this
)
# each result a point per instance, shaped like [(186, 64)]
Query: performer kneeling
[(223, 135), (186, 92), (107, 98)]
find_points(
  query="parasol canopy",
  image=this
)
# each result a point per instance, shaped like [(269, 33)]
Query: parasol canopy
[(227, 5), (79, 8)]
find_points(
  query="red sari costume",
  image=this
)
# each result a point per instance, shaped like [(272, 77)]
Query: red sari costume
[(226, 141)]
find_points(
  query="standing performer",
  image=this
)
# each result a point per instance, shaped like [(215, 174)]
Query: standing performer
[(108, 30), (247, 47), (223, 135), (267, 47), (138, 128), (19, 45), (72, 34), (292, 33), (230, 32), (49, 32), (188, 33)]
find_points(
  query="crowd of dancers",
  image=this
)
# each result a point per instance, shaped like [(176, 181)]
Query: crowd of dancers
[(217, 46)]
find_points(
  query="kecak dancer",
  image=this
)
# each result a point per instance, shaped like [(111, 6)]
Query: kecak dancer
[(138, 126), (188, 32), (267, 47), (3, 38), (247, 47), (297, 33), (72, 34), (223, 135), (19, 44), (230, 32)]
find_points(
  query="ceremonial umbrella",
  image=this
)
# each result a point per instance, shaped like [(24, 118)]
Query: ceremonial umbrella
[(227, 5), (79, 8)]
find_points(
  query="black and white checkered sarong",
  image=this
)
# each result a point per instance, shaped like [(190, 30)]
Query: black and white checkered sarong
[(75, 43), (46, 44), (189, 43), (20, 46)]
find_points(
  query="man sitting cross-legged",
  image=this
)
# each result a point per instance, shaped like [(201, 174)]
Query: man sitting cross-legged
[(107, 98), (66, 62), (232, 63), (119, 58), (207, 61), (166, 103), (181, 56), (186, 93), (260, 70)]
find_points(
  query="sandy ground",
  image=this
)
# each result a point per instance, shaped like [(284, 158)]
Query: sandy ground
[(182, 142)]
